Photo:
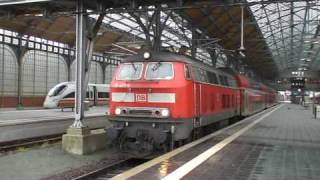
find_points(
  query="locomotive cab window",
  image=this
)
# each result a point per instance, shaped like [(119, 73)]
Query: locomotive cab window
[(130, 71), (57, 91), (159, 70)]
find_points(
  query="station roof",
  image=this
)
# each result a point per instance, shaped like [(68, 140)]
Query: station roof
[(278, 35)]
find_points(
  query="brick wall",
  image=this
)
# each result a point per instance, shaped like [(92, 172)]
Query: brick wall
[(8, 101), (29, 101)]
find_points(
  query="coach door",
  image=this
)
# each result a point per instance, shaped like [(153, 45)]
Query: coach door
[(95, 95), (197, 98), (197, 91)]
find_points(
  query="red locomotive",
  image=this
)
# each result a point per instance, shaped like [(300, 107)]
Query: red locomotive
[(161, 98)]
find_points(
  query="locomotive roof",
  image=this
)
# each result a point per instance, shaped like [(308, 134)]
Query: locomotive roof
[(169, 56), (162, 56)]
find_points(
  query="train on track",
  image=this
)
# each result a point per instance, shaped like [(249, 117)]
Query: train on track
[(158, 99), (97, 94)]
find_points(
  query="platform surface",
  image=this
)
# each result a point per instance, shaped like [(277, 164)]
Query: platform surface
[(40, 114), (21, 124), (282, 143)]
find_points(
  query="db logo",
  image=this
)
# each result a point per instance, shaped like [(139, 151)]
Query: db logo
[(141, 97)]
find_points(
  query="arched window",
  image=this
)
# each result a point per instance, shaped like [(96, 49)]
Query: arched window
[(8, 71), (96, 75), (109, 71), (42, 71)]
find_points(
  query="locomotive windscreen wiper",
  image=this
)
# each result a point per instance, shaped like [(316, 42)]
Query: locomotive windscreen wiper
[(155, 67), (134, 67)]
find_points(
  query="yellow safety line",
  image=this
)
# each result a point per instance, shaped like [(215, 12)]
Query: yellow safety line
[(195, 162)]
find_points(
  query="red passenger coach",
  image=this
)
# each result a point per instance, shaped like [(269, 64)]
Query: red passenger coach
[(160, 98), (252, 95)]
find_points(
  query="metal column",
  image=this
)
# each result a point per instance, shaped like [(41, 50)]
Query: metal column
[(80, 66), (157, 37), (194, 43), (20, 56)]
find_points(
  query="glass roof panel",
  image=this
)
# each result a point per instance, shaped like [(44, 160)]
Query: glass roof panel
[(289, 30)]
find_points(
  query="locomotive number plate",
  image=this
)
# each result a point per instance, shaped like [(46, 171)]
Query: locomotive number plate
[(141, 97)]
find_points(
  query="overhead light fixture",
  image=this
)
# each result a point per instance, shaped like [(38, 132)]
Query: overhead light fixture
[(242, 54), (305, 59)]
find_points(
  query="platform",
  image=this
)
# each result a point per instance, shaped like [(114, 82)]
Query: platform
[(21, 124), (8, 116), (280, 143)]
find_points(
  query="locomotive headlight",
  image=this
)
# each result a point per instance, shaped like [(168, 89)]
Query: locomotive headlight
[(117, 111), (165, 112), (146, 55)]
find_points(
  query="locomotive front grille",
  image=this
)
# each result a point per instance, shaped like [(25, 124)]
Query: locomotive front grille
[(140, 112)]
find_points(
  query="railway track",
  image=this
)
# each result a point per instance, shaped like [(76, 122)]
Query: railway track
[(111, 170), (29, 142)]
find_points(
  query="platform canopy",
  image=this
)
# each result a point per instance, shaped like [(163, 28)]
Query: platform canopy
[(279, 35)]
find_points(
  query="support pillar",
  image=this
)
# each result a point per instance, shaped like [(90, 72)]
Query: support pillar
[(20, 54), (79, 139), (68, 59), (213, 57), (194, 43), (80, 65), (104, 66), (157, 37)]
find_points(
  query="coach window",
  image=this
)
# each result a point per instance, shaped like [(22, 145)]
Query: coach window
[(221, 80), (212, 77), (159, 70), (226, 81), (89, 94), (203, 76), (130, 71), (103, 95), (70, 95), (197, 74)]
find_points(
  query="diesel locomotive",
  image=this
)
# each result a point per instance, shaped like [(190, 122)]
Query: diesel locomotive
[(157, 99)]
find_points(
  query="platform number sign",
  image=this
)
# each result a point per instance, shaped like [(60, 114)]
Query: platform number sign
[(141, 97)]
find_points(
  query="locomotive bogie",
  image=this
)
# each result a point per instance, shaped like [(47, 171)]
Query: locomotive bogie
[(157, 132)]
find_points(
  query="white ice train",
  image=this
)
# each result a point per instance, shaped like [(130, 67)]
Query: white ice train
[(97, 94)]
